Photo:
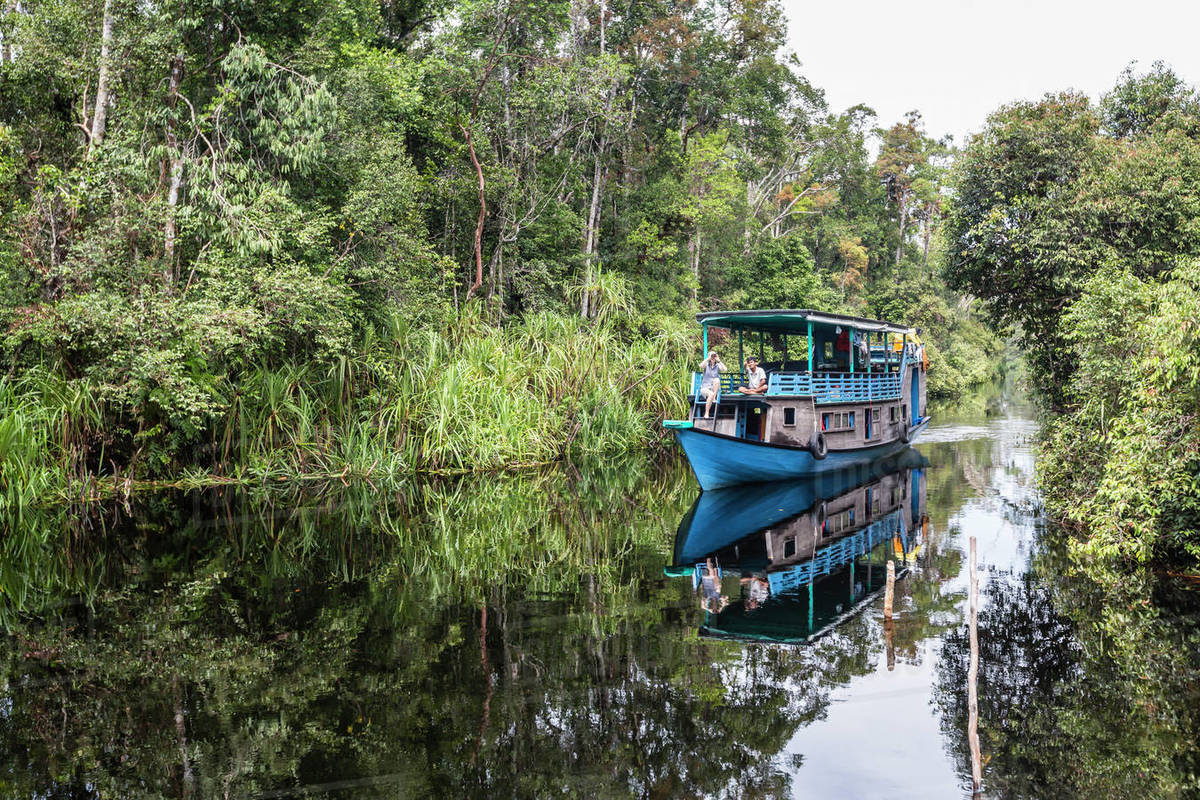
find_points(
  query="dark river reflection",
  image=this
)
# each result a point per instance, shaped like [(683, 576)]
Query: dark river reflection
[(593, 632)]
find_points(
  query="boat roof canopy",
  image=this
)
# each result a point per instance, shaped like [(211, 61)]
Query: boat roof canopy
[(792, 320)]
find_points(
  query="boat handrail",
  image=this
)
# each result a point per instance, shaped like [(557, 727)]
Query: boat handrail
[(729, 382), (835, 387), (823, 387), (841, 551)]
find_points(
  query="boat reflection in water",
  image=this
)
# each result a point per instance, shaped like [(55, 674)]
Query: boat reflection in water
[(788, 561)]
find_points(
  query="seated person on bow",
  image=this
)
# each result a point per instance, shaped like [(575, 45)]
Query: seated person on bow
[(756, 379), (710, 380)]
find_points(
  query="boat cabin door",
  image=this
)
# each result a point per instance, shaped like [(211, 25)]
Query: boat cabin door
[(916, 395), (752, 421)]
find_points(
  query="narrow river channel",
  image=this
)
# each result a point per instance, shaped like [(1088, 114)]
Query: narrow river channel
[(595, 631)]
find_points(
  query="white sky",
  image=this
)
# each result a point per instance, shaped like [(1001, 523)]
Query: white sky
[(957, 60)]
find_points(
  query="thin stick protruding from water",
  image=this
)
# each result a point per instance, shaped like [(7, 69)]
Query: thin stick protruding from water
[(972, 681)]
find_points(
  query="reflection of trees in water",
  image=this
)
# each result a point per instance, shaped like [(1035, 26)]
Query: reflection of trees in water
[(947, 487), (1082, 691), (1027, 658), (230, 648)]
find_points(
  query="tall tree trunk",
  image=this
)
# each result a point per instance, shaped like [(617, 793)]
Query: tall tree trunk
[(747, 237), (100, 115), (589, 243), (176, 170), (928, 235), (491, 292), (468, 134), (10, 8), (903, 220), (478, 282), (592, 234), (603, 28), (694, 253)]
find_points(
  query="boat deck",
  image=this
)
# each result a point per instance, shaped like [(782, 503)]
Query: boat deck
[(823, 387)]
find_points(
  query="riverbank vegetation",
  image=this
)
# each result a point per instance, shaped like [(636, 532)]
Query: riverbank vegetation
[(1076, 223), (368, 239)]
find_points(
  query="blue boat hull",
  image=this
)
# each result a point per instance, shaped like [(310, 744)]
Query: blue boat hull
[(718, 460)]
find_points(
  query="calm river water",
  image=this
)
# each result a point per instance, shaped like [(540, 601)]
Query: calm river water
[(594, 632)]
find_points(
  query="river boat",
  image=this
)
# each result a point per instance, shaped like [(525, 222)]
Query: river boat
[(788, 562), (841, 390)]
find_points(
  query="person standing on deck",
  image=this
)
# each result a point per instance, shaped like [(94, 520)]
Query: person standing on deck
[(756, 379), (710, 380)]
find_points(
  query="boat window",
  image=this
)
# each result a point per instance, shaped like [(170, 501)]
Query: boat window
[(789, 548), (891, 413), (837, 421), (789, 416), (839, 522)]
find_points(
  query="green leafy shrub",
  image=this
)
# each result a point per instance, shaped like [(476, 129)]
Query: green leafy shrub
[(1125, 462)]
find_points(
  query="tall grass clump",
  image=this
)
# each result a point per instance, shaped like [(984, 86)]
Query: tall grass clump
[(459, 396), (51, 431), (447, 395)]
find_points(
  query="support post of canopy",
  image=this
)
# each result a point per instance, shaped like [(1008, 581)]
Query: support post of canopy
[(850, 339), (705, 328), (810, 349)]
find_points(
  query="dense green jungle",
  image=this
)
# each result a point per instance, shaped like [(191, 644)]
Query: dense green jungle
[(252, 242), (312, 241), (335, 336)]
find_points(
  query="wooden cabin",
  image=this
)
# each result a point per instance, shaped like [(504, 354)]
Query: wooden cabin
[(859, 383)]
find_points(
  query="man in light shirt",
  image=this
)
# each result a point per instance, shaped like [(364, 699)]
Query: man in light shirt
[(756, 379), (710, 380)]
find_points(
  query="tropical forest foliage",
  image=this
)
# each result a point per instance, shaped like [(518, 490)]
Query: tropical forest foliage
[(354, 236), (1079, 224)]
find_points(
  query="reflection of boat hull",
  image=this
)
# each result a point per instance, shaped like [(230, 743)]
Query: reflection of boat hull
[(723, 516), (719, 460)]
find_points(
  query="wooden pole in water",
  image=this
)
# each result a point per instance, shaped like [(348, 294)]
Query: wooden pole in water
[(889, 642), (890, 592), (973, 679), (888, 596)]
